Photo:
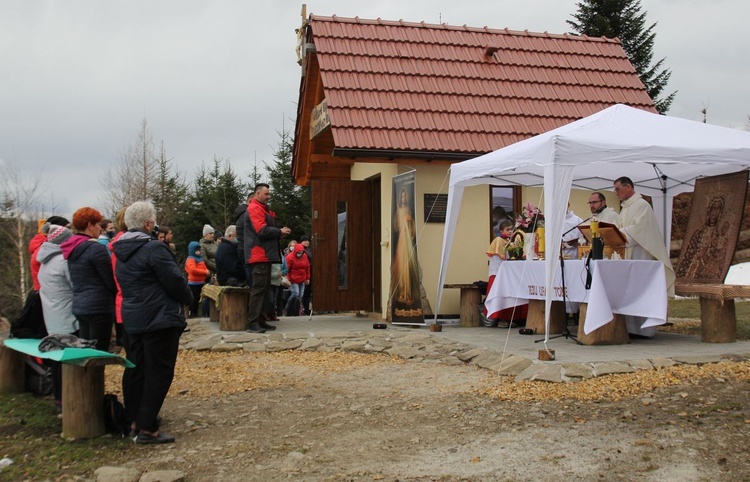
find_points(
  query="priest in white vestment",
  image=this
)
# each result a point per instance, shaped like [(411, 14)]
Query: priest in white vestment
[(638, 222), (604, 214)]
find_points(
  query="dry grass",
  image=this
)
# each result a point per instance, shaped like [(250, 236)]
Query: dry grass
[(685, 313)]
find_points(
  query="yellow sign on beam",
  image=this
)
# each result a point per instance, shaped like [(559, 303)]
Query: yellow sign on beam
[(319, 120)]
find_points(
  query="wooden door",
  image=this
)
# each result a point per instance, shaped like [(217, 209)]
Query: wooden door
[(343, 254)]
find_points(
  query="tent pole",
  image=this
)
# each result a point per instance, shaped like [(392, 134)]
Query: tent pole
[(663, 182)]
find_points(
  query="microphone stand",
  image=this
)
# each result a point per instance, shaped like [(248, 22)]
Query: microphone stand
[(566, 332)]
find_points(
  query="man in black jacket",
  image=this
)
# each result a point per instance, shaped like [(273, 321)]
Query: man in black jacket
[(229, 268), (154, 294), (240, 219)]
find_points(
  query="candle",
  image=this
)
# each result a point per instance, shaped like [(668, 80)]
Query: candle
[(540, 237), (594, 229)]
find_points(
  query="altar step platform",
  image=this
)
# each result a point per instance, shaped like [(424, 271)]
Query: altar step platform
[(662, 345)]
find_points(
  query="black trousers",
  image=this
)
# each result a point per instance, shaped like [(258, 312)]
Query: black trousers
[(270, 306), (259, 292), (248, 275), (145, 387), (96, 327), (196, 290)]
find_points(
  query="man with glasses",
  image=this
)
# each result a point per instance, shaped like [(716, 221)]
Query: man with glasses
[(638, 222), (598, 206)]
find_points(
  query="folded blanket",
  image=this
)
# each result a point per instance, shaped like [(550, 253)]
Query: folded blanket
[(60, 341)]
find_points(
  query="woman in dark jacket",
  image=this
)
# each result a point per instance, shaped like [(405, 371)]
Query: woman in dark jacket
[(93, 283), (154, 294)]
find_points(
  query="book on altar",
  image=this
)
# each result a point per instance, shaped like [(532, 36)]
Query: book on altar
[(609, 233), (614, 240)]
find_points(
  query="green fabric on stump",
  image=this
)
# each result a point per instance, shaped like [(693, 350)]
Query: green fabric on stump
[(73, 356)]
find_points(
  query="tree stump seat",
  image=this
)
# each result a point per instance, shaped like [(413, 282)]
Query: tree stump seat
[(82, 382), (718, 319), (613, 333), (535, 317), (471, 297), (229, 307)]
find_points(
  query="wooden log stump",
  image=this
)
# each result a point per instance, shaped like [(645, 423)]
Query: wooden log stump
[(213, 311), (613, 333), (718, 321), (471, 297), (83, 401), (535, 317), (546, 355), (233, 310), (12, 370)]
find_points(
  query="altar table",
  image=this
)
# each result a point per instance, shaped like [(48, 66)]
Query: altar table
[(626, 287)]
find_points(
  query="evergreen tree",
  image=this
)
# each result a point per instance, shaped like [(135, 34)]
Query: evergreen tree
[(229, 193), (169, 192), (215, 195), (255, 176), (625, 20), (291, 203)]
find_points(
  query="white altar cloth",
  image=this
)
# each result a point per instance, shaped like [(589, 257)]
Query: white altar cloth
[(627, 287)]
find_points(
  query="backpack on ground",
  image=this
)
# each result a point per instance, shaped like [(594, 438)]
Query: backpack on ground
[(30, 322), (38, 379), (115, 421)]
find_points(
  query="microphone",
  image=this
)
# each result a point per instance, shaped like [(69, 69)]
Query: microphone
[(574, 227)]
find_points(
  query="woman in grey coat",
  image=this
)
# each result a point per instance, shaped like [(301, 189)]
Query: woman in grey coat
[(56, 293), (56, 287)]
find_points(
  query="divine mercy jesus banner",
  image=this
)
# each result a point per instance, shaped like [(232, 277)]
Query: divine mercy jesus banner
[(405, 293)]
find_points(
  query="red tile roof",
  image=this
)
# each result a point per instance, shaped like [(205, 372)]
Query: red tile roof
[(400, 86)]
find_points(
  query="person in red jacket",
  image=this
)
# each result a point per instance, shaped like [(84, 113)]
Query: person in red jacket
[(36, 243), (122, 228), (299, 274), (30, 321), (198, 273), (262, 248)]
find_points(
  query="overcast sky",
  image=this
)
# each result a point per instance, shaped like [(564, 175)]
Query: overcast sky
[(220, 78)]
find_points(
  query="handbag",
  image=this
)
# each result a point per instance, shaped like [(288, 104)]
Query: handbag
[(285, 282)]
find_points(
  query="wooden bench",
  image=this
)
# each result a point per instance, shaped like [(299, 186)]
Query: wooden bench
[(471, 297), (229, 307), (718, 318), (82, 382)]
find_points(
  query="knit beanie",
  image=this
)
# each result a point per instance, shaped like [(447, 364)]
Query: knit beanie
[(58, 234), (59, 220), (207, 229)]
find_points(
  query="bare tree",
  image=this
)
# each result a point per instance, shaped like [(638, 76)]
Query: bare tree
[(133, 177), (21, 207)]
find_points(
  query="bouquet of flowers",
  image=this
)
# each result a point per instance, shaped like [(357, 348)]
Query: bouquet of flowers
[(514, 248), (530, 219)]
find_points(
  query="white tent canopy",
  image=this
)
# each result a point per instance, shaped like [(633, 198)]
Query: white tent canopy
[(662, 155)]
